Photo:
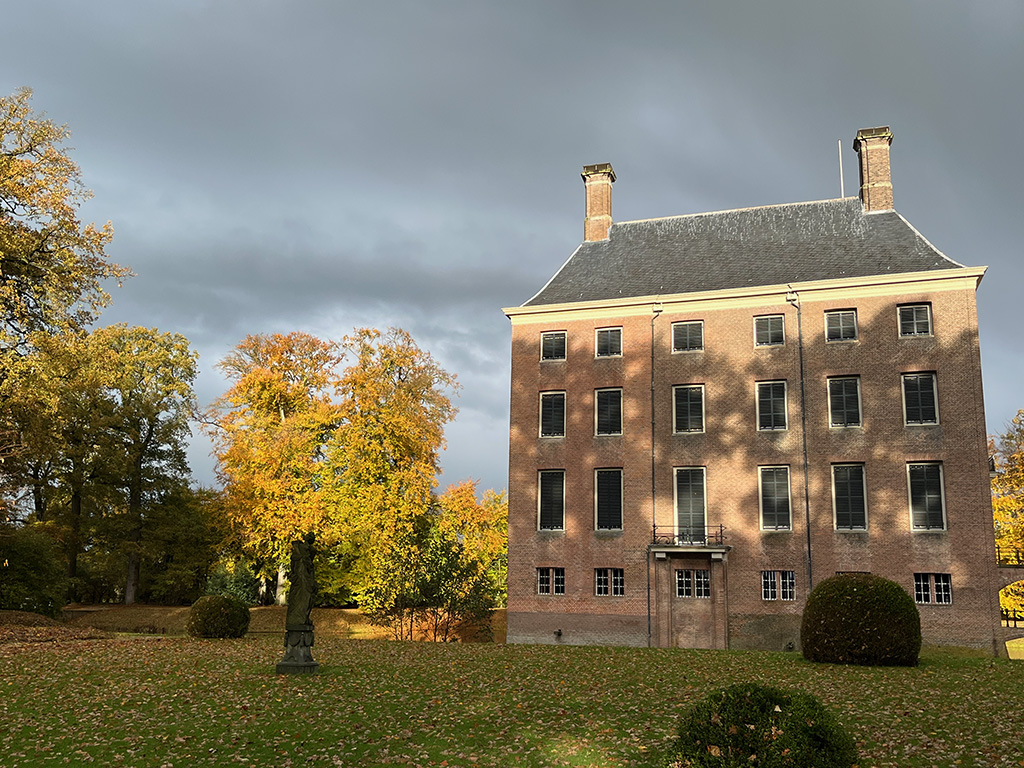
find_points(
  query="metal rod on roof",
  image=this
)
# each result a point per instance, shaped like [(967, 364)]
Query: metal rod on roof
[(842, 187)]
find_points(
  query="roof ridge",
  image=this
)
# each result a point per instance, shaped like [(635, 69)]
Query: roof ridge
[(735, 210)]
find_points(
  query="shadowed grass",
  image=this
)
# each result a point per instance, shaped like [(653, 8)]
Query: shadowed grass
[(180, 701)]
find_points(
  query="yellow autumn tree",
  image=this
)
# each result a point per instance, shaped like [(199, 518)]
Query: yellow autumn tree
[(1008, 504), (270, 431)]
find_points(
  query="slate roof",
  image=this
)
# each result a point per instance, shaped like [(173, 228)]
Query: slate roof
[(771, 245)]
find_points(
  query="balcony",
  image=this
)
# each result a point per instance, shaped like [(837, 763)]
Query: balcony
[(668, 537)]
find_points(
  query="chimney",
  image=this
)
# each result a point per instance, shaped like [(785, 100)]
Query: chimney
[(872, 145), (598, 181)]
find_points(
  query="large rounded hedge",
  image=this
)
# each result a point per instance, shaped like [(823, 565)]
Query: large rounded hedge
[(749, 724), (861, 619), (218, 616)]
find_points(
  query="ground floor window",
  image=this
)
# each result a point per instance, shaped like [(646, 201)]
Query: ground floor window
[(696, 583), (933, 588), (778, 585), (551, 581), (609, 581)]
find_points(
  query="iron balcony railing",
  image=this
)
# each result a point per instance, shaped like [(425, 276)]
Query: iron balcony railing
[(672, 536), (1010, 557)]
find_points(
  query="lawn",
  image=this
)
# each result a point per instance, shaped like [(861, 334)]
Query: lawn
[(176, 701)]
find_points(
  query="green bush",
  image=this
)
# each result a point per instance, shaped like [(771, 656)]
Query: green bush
[(861, 619), (754, 725), (32, 571), (218, 616)]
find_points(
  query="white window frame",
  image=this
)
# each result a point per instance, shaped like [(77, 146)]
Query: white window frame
[(676, 351), (622, 415), (694, 583), (776, 585), (551, 574), (614, 582), (782, 343), (760, 496), (933, 588), (540, 415), (864, 488), (622, 499), (597, 334), (785, 403), (860, 403), (703, 410), (540, 474), (856, 325), (935, 395), (942, 496), (931, 320), (675, 499), (565, 347)]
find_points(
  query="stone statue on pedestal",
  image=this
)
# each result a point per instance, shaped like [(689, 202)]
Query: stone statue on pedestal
[(298, 636)]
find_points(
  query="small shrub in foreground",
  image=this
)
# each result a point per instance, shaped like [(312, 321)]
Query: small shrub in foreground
[(218, 616), (755, 725), (861, 619)]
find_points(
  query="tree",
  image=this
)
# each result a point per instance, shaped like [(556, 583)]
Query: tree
[(1008, 501), (52, 267), (270, 429)]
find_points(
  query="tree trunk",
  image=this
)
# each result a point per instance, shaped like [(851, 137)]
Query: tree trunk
[(280, 592), (131, 586)]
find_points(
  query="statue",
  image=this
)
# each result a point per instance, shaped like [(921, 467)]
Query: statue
[(298, 636)]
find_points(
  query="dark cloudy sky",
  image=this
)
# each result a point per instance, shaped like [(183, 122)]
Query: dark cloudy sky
[(272, 166)]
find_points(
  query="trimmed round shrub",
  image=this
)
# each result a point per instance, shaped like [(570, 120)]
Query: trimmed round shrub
[(218, 616), (861, 619), (749, 724)]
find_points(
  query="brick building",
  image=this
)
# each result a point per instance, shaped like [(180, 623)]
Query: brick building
[(712, 413)]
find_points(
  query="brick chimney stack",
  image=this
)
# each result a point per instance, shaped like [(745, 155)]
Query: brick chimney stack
[(598, 180), (872, 145)]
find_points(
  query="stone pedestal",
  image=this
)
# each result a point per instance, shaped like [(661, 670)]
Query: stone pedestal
[(298, 651)]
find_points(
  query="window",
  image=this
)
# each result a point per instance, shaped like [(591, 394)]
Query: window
[(552, 414), (848, 497), (844, 402), (774, 498), (769, 331), (688, 336), (778, 585), (771, 405), (693, 583), (551, 500), (915, 320), (608, 499), (919, 401), (609, 342), (688, 408), (927, 507), (609, 581), (608, 411), (690, 505), (933, 588), (552, 345), (841, 325), (551, 581)]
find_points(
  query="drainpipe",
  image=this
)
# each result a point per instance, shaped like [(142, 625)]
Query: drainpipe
[(794, 298), (655, 311)]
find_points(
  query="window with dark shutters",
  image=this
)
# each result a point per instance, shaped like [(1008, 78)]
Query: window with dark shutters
[(552, 345), (689, 408), (841, 325), (848, 492), (771, 405), (915, 320), (688, 336), (926, 505), (691, 506), (552, 500), (608, 403), (919, 398), (552, 414), (609, 342), (844, 401), (609, 499), (769, 331), (775, 498)]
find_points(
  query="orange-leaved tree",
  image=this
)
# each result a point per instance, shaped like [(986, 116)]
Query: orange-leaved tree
[(1008, 503), (270, 430)]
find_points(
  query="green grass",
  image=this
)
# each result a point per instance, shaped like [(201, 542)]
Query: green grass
[(186, 702)]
